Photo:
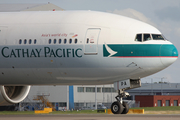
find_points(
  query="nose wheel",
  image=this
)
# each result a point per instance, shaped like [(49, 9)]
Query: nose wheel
[(117, 107), (126, 108), (120, 107)]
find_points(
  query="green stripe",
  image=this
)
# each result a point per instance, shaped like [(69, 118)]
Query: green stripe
[(141, 50)]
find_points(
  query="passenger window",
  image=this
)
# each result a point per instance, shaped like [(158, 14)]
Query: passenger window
[(70, 41), (49, 41), (20, 41), (75, 41), (65, 41), (54, 41), (157, 37), (147, 37), (139, 37), (59, 41), (30, 41), (35, 41), (25, 41)]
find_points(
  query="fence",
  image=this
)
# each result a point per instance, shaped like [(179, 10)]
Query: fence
[(90, 105)]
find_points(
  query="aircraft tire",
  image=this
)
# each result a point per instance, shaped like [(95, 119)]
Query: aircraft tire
[(116, 107), (126, 108)]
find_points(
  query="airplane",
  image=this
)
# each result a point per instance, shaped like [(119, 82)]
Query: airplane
[(78, 48)]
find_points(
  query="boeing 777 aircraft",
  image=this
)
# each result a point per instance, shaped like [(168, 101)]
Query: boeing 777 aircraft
[(78, 48)]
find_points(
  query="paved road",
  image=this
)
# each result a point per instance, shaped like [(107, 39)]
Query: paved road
[(90, 117)]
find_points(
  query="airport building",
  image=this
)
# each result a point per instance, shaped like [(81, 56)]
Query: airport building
[(157, 94), (84, 97), (158, 100), (72, 97)]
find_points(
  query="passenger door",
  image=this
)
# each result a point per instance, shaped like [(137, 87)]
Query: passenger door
[(91, 41)]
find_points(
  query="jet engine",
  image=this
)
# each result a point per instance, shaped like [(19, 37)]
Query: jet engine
[(13, 94)]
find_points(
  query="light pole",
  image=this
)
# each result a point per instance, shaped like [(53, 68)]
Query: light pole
[(96, 97), (151, 86), (161, 85), (111, 93)]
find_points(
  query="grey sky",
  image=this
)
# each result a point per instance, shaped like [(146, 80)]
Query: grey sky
[(163, 14), (171, 13)]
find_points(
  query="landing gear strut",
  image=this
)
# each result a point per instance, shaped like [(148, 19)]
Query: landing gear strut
[(119, 106)]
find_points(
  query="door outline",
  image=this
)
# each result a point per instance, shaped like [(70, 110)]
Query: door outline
[(92, 36)]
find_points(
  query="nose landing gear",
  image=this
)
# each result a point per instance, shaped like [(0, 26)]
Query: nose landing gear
[(119, 106)]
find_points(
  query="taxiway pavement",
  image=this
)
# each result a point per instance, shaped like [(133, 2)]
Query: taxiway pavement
[(90, 117)]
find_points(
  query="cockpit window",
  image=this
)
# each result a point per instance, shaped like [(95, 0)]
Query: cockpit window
[(157, 37), (147, 37), (139, 37)]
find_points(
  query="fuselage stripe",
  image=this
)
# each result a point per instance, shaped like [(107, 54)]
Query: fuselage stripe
[(145, 56)]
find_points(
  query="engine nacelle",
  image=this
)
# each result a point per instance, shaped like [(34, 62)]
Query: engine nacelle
[(13, 94)]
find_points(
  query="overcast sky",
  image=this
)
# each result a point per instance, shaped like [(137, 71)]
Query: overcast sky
[(163, 14)]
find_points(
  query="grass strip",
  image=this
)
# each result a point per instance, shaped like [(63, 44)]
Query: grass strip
[(165, 108), (54, 112)]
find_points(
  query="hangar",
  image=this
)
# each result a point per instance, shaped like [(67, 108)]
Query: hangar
[(158, 100)]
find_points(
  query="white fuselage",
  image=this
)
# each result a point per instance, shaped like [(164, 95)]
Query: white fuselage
[(76, 48)]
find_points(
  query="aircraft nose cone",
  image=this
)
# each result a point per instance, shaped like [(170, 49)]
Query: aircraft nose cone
[(169, 54)]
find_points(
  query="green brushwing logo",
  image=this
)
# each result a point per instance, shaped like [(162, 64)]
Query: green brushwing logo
[(107, 51)]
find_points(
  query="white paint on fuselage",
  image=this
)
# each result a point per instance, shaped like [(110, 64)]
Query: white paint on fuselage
[(85, 70)]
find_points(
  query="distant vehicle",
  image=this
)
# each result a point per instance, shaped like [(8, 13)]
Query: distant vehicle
[(86, 108), (99, 106), (62, 108)]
